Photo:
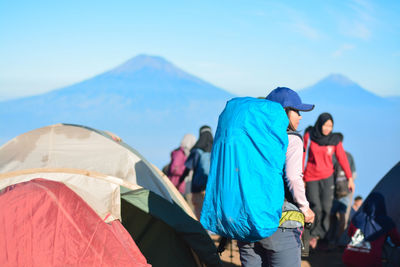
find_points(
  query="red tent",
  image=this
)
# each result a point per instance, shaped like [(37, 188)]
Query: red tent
[(44, 223)]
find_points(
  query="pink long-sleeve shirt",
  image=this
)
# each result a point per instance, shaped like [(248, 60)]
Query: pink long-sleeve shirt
[(294, 172)]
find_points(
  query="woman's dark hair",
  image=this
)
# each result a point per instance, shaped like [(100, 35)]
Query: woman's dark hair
[(358, 198), (206, 139), (290, 126)]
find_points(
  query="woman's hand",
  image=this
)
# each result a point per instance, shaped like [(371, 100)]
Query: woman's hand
[(309, 216), (352, 186)]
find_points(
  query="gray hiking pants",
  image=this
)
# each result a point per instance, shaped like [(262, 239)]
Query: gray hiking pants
[(282, 249), (320, 196)]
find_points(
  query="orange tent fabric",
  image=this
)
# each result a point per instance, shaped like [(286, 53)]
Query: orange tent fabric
[(44, 223)]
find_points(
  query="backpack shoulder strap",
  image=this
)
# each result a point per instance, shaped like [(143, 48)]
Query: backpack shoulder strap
[(295, 133)]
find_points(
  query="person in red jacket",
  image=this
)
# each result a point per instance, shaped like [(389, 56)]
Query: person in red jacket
[(369, 230), (318, 174)]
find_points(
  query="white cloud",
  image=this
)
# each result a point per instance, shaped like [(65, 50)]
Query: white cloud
[(360, 30), (296, 20), (342, 49), (363, 7), (362, 21), (306, 30)]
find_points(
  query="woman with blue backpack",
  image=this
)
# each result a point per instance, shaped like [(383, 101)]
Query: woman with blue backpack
[(255, 192), (283, 248), (199, 162)]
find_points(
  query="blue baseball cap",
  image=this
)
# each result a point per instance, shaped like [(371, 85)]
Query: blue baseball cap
[(288, 99)]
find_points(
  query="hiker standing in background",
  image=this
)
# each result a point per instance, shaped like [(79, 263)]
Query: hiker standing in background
[(177, 164), (318, 173), (283, 247), (345, 239), (341, 202), (199, 162), (358, 200)]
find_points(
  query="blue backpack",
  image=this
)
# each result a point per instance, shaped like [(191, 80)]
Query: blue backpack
[(245, 193), (202, 170)]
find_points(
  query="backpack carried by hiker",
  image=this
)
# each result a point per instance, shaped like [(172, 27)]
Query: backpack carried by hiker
[(200, 175), (341, 182), (245, 192)]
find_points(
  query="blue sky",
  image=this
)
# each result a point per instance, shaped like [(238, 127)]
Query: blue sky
[(246, 47)]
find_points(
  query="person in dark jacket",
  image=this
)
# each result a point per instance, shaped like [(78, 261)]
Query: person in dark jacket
[(369, 230), (202, 148), (358, 200), (319, 170)]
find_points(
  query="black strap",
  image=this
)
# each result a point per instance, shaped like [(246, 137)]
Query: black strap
[(223, 241), (295, 133)]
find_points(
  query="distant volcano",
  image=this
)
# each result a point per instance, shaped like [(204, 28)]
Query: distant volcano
[(154, 63), (147, 100), (339, 90), (153, 76)]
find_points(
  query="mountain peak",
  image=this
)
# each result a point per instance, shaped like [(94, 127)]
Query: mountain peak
[(338, 79), (146, 61), (337, 89)]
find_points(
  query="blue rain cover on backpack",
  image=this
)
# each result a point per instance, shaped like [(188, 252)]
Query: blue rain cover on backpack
[(245, 194)]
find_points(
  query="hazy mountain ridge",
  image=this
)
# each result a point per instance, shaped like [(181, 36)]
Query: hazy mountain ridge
[(147, 101), (155, 63), (339, 90), (151, 104)]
